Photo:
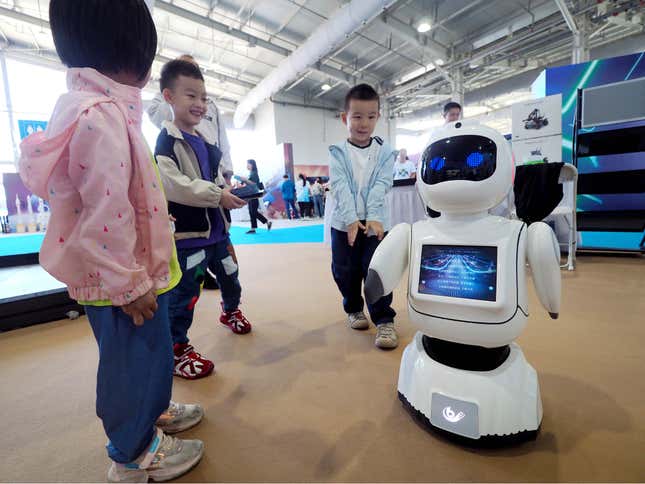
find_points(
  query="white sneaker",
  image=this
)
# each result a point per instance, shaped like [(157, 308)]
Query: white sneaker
[(358, 320), (179, 417), (386, 337), (167, 458)]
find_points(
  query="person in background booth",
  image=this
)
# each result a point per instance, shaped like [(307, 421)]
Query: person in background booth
[(452, 112), (317, 192), (288, 189), (404, 169), (303, 196), (254, 203)]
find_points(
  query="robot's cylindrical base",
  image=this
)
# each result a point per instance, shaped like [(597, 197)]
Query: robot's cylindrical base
[(486, 441), (476, 405)]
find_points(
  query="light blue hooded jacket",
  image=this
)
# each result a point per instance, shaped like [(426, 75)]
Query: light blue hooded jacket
[(344, 186)]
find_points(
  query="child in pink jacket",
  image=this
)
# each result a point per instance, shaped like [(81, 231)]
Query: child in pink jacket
[(109, 237)]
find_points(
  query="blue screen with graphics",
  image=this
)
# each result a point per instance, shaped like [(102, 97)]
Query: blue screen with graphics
[(566, 80), (467, 272)]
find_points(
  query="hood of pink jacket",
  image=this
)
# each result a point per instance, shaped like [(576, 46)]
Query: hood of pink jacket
[(41, 151)]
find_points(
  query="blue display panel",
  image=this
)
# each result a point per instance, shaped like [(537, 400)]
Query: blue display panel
[(566, 80), (466, 272)]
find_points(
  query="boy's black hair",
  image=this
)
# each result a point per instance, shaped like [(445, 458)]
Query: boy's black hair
[(362, 92), (451, 105), (285, 176), (111, 37), (171, 71)]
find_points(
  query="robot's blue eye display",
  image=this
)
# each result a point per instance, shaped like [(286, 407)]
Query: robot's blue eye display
[(437, 163), (474, 159), (465, 157)]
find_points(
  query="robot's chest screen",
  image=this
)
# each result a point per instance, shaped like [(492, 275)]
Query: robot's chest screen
[(466, 272)]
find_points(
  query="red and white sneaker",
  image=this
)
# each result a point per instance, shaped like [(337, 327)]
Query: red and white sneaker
[(189, 364), (235, 320)]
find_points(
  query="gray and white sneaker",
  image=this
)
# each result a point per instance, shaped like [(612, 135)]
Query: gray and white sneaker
[(358, 320), (179, 417), (386, 337), (167, 458)]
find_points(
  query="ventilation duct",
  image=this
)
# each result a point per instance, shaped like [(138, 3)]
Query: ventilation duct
[(323, 40)]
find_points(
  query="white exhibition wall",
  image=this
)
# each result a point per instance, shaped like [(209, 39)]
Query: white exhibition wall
[(312, 130)]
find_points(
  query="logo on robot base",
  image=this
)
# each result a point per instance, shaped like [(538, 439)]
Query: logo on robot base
[(451, 416)]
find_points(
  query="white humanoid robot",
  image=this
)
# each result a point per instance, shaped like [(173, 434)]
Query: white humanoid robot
[(467, 295)]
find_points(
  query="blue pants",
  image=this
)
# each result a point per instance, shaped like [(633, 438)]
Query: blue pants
[(193, 264), (291, 203), (134, 380), (349, 266), (318, 205)]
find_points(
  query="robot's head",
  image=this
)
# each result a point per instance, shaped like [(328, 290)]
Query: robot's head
[(467, 167)]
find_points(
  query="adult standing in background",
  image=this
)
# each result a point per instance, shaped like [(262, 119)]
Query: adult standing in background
[(317, 191), (288, 189), (211, 129), (451, 112), (254, 203), (303, 196)]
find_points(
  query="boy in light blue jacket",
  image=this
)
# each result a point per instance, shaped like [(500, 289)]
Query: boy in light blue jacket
[(360, 177)]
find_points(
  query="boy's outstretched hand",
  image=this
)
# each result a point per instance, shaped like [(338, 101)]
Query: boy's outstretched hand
[(376, 227), (352, 232), (142, 308), (230, 201)]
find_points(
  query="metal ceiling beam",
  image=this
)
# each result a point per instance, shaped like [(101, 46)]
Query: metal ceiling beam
[(342, 23), (457, 13), (621, 44), (214, 74), (568, 18), (406, 32), (358, 35), (220, 27), (50, 58), (38, 22), (507, 26), (250, 39), (287, 20), (504, 44)]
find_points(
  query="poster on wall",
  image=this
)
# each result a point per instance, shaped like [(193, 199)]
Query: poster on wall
[(538, 150), (537, 118), (27, 127)]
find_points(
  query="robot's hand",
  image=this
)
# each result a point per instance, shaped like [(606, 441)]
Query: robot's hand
[(388, 264), (544, 259)]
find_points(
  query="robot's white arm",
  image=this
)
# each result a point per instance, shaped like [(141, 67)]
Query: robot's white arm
[(388, 264), (544, 259)]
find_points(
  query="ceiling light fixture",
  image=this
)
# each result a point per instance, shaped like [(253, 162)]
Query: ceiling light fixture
[(326, 87), (424, 25)]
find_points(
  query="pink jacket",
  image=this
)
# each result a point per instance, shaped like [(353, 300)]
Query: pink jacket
[(109, 236)]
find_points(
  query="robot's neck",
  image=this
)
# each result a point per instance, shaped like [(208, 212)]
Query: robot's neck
[(463, 217)]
